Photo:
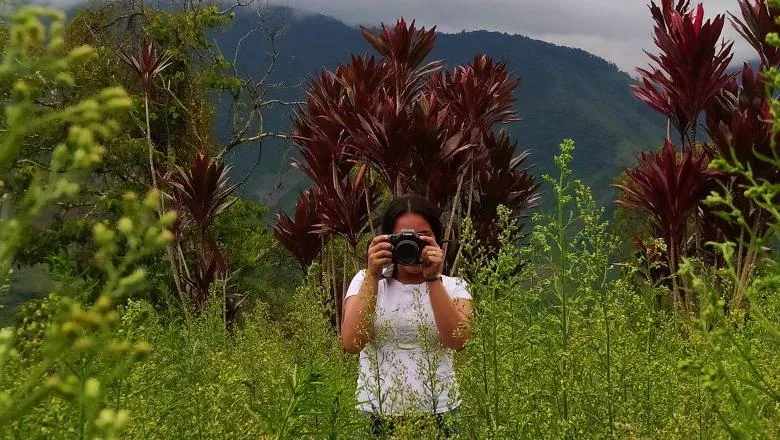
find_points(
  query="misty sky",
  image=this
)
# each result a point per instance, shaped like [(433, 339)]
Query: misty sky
[(616, 30)]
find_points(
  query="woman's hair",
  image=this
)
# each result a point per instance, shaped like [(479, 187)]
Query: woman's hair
[(416, 205)]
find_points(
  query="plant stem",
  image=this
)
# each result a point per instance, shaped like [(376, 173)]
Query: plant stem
[(149, 140), (455, 206)]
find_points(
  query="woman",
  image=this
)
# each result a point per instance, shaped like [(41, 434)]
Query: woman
[(403, 320)]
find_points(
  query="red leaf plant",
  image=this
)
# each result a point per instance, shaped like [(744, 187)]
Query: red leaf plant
[(404, 48), (199, 193), (504, 182), (344, 207), (202, 190), (401, 43), (385, 140), (739, 123), (299, 234), (414, 128), (668, 189), (758, 21), (441, 150), (690, 69), (148, 64), (479, 94)]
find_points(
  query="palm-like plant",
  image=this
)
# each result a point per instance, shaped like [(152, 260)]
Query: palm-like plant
[(199, 193), (690, 69), (441, 150), (147, 65), (403, 43), (344, 207), (384, 139), (668, 189), (505, 182), (299, 234), (758, 21), (738, 123), (414, 128), (740, 128), (404, 48), (480, 94)]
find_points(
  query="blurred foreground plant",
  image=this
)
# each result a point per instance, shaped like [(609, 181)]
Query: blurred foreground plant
[(35, 59), (742, 370)]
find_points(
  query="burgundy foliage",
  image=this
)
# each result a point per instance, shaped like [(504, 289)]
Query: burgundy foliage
[(403, 44), (479, 94), (506, 183), (739, 121), (757, 22), (147, 64), (442, 150), (299, 234), (739, 124), (412, 127), (690, 69), (199, 193), (344, 207), (668, 189)]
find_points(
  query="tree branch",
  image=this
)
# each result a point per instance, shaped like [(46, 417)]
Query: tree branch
[(238, 4)]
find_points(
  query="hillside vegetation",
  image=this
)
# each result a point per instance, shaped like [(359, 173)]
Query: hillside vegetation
[(171, 307)]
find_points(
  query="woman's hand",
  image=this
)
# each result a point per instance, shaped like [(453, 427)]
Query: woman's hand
[(380, 255), (432, 258)]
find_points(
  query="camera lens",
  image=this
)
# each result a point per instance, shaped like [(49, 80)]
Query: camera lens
[(406, 252)]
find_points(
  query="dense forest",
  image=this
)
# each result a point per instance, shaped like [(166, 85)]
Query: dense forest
[(152, 287)]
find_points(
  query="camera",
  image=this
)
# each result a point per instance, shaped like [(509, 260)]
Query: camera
[(407, 247)]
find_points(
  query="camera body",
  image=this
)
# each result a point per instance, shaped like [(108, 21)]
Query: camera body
[(407, 247)]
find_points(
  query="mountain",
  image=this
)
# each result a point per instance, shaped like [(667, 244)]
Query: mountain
[(564, 93)]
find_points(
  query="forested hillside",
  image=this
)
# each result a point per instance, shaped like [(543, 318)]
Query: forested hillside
[(564, 91), (632, 292)]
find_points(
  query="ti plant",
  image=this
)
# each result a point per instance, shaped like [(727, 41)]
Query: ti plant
[(398, 125), (748, 382), (299, 233), (147, 65), (668, 189), (689, 79), (690, 69), (199, 193), (35, 54)]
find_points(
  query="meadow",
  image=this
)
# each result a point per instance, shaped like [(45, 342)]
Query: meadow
[(175, 309)]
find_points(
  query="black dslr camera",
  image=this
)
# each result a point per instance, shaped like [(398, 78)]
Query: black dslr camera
[(407, 247)]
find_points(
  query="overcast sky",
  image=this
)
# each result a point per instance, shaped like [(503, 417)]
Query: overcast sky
[(616, 30)]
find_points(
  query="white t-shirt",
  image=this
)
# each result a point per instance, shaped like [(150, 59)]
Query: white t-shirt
[(404, 369)]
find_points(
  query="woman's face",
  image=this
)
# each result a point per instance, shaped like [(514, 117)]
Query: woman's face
[(421, 227)]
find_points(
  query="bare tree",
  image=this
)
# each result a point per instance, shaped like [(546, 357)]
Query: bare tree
[(251, 99)]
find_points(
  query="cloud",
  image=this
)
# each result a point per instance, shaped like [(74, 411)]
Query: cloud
[(617, 30)]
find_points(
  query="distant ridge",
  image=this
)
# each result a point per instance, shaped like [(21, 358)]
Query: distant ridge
[(564, 93)]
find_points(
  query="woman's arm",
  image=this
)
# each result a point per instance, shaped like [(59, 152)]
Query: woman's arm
[(357, 328), (451, 316)]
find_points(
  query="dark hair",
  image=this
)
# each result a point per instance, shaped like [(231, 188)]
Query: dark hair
[(414, 204)]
